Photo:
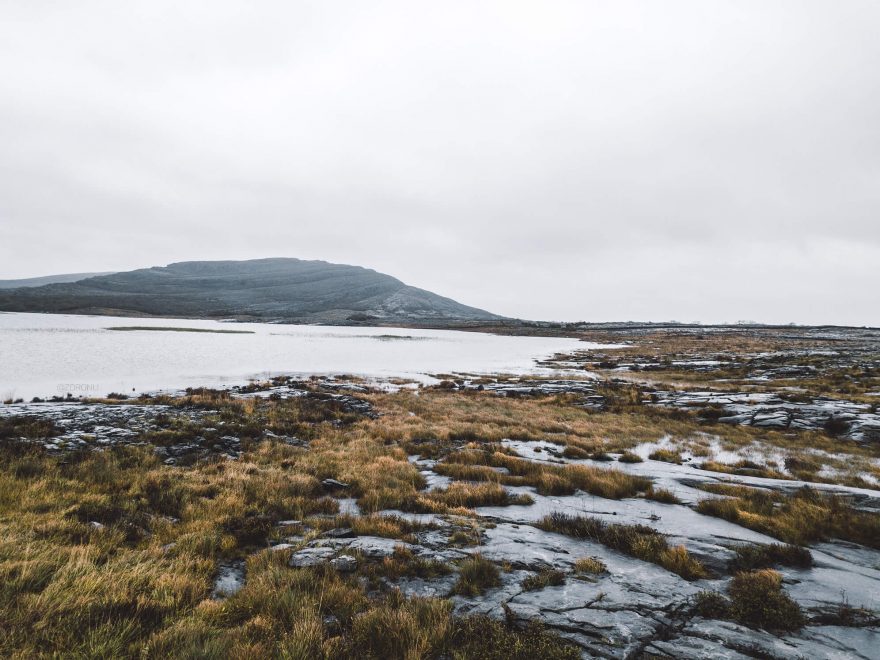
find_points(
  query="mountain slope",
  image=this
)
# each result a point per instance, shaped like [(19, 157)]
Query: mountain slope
[(48, 279), (266, 289)]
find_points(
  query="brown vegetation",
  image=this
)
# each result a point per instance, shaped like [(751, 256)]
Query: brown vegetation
[(634, 540)]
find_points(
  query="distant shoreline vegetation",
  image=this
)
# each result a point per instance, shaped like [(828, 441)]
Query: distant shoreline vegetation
[(172, 329)]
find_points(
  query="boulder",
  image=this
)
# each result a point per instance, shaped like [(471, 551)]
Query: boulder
[(344, 563)]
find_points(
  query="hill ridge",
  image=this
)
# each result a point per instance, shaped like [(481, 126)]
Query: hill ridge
[(270, 289)]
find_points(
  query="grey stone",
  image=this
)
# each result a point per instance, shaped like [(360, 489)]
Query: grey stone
[(344, 563), (339, 533)]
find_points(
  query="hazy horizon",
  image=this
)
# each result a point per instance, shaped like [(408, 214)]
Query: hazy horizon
[(567, 161)]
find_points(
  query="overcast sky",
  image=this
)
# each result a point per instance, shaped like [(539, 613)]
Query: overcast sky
[(700, 160)]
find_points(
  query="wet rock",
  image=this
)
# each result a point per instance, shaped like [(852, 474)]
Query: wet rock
[(374, 547), (847, 419), (344, 563), (332, 625), (229, 580), (278, 547), (311, 556), (339, 533)]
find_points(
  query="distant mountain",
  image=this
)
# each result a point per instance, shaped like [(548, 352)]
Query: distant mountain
[(48, 279), (264, 289)]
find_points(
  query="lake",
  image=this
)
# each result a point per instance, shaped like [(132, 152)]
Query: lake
[(53, 354)]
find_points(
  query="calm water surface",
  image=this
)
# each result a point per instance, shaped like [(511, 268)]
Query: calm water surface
[(49, 354)]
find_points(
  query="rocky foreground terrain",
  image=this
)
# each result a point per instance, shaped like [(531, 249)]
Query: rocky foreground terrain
[(688, 495)]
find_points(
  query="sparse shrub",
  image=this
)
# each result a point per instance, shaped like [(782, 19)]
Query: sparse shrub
[(484, 638), (26, 426), (744, 467), (662, 495), (550, 479), (27, 466), (475, 575), (679, 561), (665, 455), (803, 464), (805, 516), (751, 557), (400, 628), (573, 451), (466, 495), (759, 602), (636, 541), (711, 414), (590, 565), (844, 614), (404, 563), (545, 578), (836, 427), (629, 457), (462, 538), (711, 605)]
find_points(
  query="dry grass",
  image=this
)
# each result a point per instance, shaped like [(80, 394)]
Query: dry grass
[(478, 462), (634, 540), (141, 584), (403, 563), (138, 583), (662, 495), (441, 418), (590, 566), (475, 576), (666, 455), (805, 517), (758, 601), (752, 557), (546, 578), (745, 468)]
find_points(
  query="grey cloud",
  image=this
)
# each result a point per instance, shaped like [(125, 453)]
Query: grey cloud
[(568, 160)]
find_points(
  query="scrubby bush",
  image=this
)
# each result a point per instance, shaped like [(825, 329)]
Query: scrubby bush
[(662, 495), (484, 638), (475, 575), (711, 605), (590, 565), (665, 455), (545, 578), (758, 601), (636, 541), (803, 517), (751, 557)]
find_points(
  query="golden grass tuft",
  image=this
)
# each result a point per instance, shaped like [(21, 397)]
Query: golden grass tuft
[(804, 517), (590, 566), (636, 541)]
